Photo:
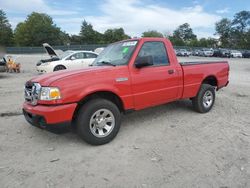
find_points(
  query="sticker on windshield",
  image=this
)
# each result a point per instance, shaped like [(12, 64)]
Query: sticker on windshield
[(125, 50), (130, 43)]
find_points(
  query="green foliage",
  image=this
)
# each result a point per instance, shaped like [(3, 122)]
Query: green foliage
[(223, 29), (183, 36), (37, 29), (88, 35), (185, 33), (114, 35), (176, 41), (235, 33), (6, 34), (241, 21), (152, 33), (209, 42), (75, 39)]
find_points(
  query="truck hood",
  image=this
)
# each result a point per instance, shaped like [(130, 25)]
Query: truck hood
[(48, 79)]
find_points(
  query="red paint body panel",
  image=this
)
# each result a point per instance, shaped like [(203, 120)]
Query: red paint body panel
[(195, 74), (143, 88), (52, 114)]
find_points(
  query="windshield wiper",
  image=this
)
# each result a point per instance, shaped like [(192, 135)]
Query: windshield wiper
[(106, 63)]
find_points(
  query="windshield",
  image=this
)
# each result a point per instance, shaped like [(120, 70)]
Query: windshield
[(65, 54), (116, 54)]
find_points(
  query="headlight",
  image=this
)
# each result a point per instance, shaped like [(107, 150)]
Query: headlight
[(50, 93)]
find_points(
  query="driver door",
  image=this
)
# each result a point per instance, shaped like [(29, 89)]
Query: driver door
[(158, 83)]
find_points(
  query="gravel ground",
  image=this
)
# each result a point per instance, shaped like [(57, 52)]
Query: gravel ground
[(165, 146)]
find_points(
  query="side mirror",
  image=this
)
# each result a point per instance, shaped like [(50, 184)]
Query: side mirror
[(72, 58), (144, 61)]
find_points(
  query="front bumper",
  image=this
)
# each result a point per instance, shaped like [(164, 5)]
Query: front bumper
[(44, 116), (44, 69)]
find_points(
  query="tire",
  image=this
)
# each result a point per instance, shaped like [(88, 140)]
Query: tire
[(92, 131), (59, 67), (204, 100)]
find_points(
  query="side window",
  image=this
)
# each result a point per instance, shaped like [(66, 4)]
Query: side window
[(157, 50), (90, 55), (79, 55)]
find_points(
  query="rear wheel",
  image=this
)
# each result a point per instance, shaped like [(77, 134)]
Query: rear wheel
[(59, 67), (98, 121), (204, 100)]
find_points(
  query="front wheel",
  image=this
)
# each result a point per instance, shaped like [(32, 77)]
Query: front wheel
[(204, 100), (59, 67), (98, 121)]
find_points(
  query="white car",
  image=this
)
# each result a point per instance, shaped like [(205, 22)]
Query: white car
[(235, 53), (68, 60), (207, 52)]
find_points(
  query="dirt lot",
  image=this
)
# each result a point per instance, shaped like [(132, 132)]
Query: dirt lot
[(166, 146)]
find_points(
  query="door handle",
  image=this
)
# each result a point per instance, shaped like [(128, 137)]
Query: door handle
[(171, 71)]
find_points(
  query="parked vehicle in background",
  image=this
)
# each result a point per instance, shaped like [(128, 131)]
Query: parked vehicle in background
[(246, 54), (2, 64), (235, 53), (182, 52), (68, 60), (128, 75), (189, 52), (196, 52), (205, 52), (175, 51), (221, 53), (98, 50)]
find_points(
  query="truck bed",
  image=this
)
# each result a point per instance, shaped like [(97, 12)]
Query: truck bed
[(195, 72)]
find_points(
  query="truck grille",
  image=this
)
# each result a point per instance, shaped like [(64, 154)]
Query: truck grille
[(31, 92)]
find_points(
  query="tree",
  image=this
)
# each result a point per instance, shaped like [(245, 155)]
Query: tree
[(185, 33), (75, 39), (241, 21), (223, 29), (114, 35), (37, 29), (176, 41), (152, 33), (6, 34), (88, 35), (207, 42), (240, 28)]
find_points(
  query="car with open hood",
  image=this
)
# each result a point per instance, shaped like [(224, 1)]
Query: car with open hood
[(67, 60)]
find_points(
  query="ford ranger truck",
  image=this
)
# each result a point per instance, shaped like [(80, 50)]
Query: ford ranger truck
[(127, 76)]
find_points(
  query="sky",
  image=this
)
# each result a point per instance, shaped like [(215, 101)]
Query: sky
[(135, 16)]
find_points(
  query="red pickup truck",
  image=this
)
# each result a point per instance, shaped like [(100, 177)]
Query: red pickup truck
[(128, 75)]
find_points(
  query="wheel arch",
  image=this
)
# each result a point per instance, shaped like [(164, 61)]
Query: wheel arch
[(211, 80), (59, 65), (108, 95)]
